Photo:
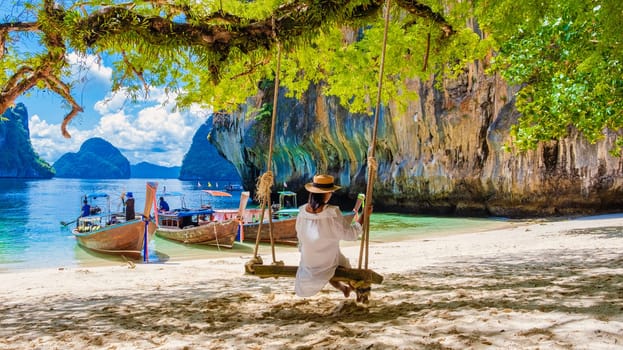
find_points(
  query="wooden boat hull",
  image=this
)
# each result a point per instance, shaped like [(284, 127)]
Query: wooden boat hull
[(222, 234), (125, 238), (284, 231)]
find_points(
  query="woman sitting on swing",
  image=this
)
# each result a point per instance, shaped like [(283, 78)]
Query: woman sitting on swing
[(320, 227)]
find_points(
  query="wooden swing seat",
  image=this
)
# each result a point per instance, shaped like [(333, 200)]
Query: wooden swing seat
[(359, 279), (342, 274)]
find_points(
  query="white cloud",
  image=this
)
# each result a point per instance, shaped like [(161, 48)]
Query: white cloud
[(112, 102), (121, 98), (151, 130), (199, 112), (48, 141), (156, 133), (88, 67)]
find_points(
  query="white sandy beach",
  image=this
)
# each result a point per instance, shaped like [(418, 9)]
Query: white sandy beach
[(545, 285)]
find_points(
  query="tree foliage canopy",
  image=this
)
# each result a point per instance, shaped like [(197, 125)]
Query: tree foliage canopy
[(565, 55), (568, 58)]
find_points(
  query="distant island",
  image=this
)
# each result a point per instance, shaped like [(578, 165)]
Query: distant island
[(99, 159), (96, 159), (145, 170)]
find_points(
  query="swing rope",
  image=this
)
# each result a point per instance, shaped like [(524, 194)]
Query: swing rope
[(372, 164), (360, 279), (265, 182)]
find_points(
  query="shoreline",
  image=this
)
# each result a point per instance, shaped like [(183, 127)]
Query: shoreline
[(389, 227), (551, 284)]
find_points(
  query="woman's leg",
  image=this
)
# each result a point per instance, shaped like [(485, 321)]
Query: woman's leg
[(344, 288)]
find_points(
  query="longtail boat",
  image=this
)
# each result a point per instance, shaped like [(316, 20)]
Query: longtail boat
[(112, 233), (218, 233), (283, 222), (201, 225)]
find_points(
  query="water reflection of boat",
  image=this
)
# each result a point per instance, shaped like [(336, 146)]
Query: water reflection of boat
[(111, 233)]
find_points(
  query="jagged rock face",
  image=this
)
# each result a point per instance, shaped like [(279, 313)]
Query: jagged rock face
[(17, 157), (313, 135), (96, 159), (442, 156)]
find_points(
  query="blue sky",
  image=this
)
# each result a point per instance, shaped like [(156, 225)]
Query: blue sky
[(150, 130)]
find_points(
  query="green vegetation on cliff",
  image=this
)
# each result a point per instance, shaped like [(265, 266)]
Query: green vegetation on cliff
[(17, 157), (568, 58)]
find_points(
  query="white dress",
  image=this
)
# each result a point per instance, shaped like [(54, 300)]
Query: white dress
[(319, 238)]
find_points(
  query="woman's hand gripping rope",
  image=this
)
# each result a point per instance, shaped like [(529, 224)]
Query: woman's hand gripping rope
[(361, 200)]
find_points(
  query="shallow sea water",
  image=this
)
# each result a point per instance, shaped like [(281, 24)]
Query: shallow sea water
[(31, 234)]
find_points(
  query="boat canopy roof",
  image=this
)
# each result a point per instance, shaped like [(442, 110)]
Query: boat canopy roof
[(189, 212), (96, 195), (217, 193), (287, 193)]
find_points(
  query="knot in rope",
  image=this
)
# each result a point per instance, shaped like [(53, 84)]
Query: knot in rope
[(263, 188), (372, 165), (249, 264), (363, 289)]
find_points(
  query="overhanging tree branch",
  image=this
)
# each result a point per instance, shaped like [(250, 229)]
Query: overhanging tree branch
[(217, 33), (424, 11), (64, 91)]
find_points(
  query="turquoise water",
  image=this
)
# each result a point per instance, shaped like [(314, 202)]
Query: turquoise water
[(31, 212)]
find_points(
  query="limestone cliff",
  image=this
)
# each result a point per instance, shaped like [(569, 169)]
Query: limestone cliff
[(203, 162), (17, 157), (442, 156)]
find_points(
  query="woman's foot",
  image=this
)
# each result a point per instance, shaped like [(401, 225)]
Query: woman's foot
[(346, 290)]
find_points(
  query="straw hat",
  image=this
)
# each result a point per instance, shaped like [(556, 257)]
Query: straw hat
[(322, 184)]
